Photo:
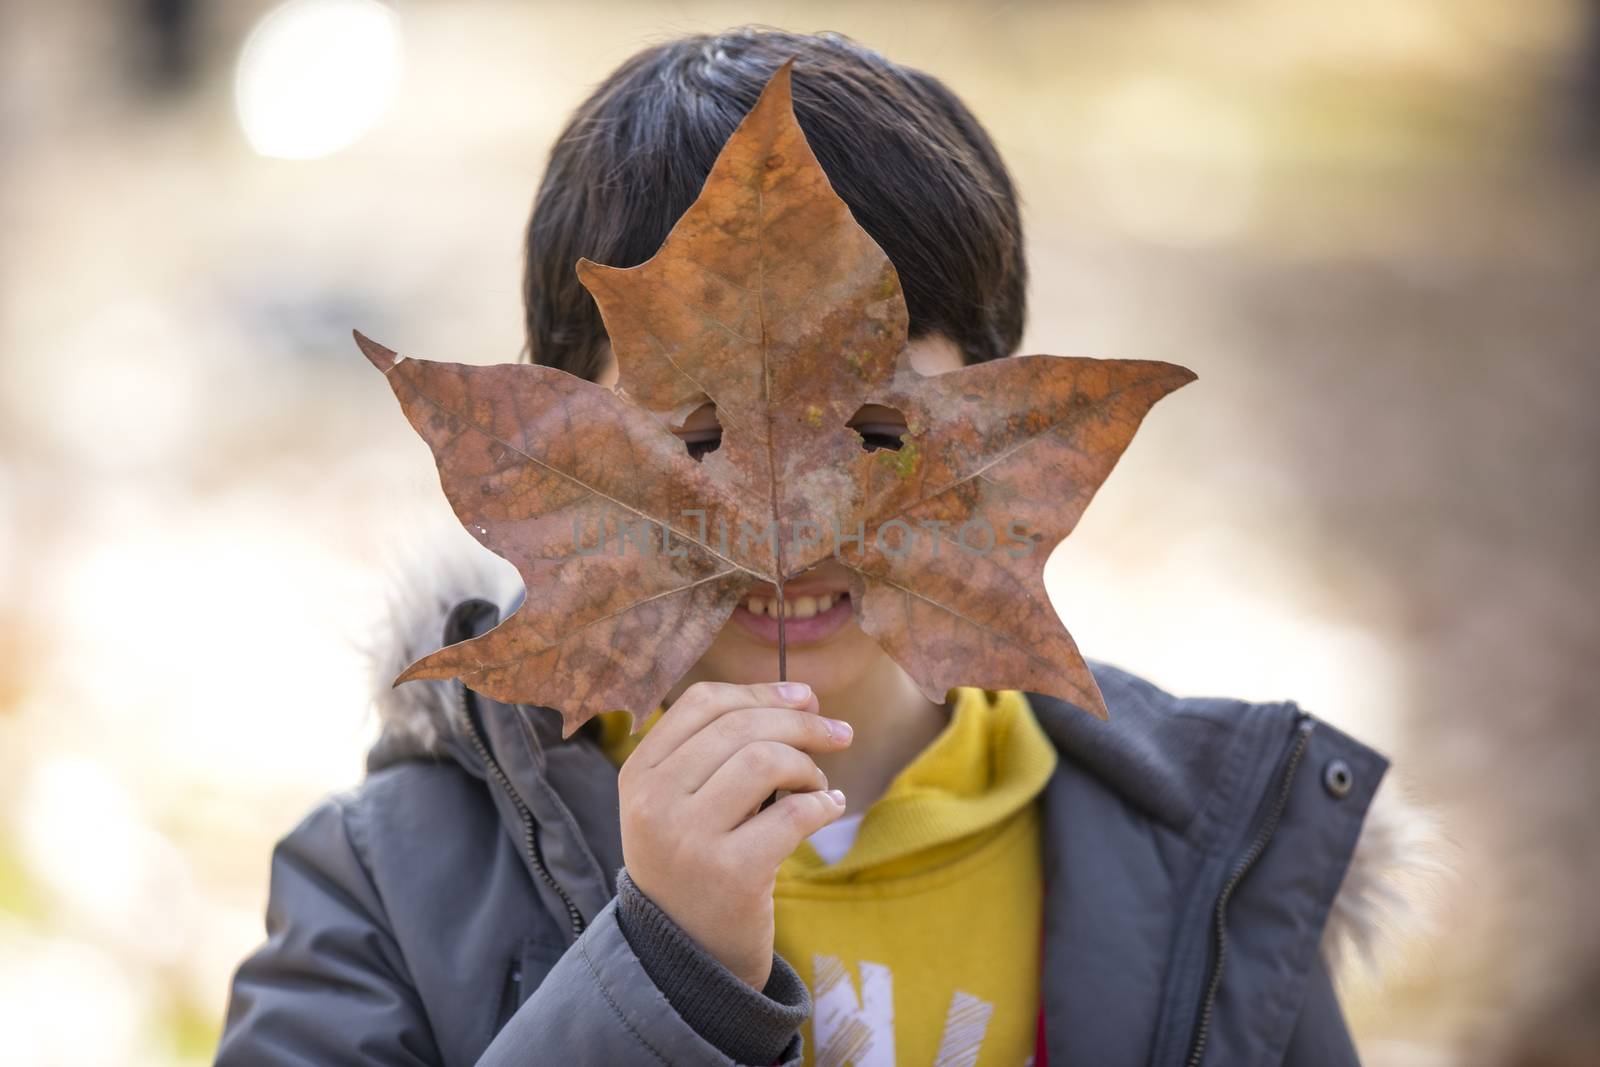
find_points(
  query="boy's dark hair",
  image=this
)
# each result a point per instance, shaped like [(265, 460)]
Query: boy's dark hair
[(916, 169)]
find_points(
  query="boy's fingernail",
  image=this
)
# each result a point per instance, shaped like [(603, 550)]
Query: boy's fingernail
[(795, 692), (838, 796), (839, 730)]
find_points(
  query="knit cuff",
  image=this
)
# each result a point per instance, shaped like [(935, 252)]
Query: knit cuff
[(748, 1026)]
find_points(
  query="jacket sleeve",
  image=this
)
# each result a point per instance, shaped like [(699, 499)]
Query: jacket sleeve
[(599, 1006), (1321, 1038), (331, 988), (748, 1025)]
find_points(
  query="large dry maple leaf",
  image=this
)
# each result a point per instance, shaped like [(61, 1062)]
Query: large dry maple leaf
[(768, 300)]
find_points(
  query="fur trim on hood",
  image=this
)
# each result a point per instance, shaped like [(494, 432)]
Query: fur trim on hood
[(1386, 900), (424, 579)]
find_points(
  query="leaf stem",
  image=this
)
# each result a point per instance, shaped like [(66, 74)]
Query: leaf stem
[(783, 671)]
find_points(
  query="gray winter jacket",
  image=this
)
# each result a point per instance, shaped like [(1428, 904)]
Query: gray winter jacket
[(461, 906)]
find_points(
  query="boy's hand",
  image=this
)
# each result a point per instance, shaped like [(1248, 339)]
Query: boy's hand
[(694, 836)]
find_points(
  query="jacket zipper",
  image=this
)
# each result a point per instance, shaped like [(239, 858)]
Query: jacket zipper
[(1257, 846), (530, 830)]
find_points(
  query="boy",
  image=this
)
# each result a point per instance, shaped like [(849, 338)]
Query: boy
[(1009, 881)]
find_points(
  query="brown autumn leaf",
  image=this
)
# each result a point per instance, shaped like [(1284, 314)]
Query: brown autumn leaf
[(769, 301)]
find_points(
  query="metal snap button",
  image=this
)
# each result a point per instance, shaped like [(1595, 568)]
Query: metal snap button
[(1338, 778)]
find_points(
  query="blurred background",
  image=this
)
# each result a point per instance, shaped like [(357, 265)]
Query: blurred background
[(1372, 227)]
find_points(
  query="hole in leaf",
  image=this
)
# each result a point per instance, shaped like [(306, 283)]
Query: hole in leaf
[(879, 427), (701, 432)]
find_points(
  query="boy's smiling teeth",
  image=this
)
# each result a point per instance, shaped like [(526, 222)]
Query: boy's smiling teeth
[(797, 607)]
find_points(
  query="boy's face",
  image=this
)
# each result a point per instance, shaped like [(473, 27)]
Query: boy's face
[(826, 649)]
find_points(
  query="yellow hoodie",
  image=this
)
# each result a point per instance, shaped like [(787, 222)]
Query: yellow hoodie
[(921, 944)]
